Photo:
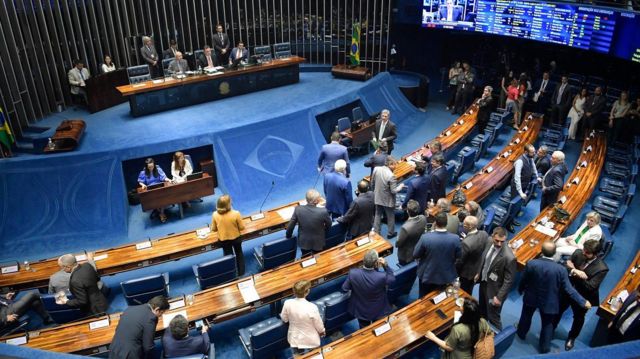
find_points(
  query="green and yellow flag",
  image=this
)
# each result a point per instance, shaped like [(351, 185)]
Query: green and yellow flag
[(355, 45), (6, 138)]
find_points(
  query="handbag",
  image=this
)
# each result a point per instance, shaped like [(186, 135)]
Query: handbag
[(485, 347), (560, 214), (459, 198)]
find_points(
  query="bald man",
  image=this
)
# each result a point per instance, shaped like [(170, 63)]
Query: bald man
[(553, 180), (83, 284)]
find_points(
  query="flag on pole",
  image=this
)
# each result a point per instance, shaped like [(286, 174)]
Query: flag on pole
[(355, 45), (6, 138)]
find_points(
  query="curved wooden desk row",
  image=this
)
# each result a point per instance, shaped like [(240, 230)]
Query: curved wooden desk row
[(408, 325), (219, 303), (129, 257), (577, 195), (629, 282)]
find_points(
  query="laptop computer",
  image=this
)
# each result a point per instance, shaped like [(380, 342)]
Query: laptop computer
[(154, 186), (194, 176)]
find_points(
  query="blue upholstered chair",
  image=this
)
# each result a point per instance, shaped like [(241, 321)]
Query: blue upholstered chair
[(61, 313), (138, 74), (275, 253), (335, 235), (264, 339), (405, 278), (334, 310), (140, 290), (503, 340), (217, 271)]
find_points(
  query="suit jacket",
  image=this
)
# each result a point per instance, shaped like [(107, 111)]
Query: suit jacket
[(595, 105), (305, 323), (504, 268), (368, 288), (76, 80), (418, 189), (359, 217), (376, 160), (149, 54), (234, 54), (169, 53), (553, 180), (313, 223), (83, 284), (633, 332), (485, 107), (409, 236), (443, 12), (565, 98), (473, 246), (390, 133), (202, 60), (544, 99), (543, 164), (437, 253), (338, 191), (329, 154), (439, 179), (176, 66), (134, 334), (543, 282), (219, 44), (192, 344), (385, 187), (595, 271)]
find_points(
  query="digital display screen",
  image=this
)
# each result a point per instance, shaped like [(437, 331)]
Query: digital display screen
[(606, 31)]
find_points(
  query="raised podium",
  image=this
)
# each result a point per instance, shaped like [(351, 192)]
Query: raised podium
[(351, 72)]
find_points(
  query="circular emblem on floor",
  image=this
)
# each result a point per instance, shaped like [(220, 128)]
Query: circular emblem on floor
[(224, 88)]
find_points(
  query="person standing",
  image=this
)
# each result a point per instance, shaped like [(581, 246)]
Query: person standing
[(221, 45), (560, 101), (497, 275), (553, 180), (473, 246), (523, 174), (542, 283), (418, 188), (464, 92), (385, 131), (330, 153), (359, 217), (454, 72), (379, 158), (136, 329), (618, 117), (576, 113), (227, 222), (593, 109), (439, 178), (313, 223), (337, 189), (83, 284), (410, 233), (542, 97), (150, 55), (543, 160), (385, 188), (305, 322), (485, 107)]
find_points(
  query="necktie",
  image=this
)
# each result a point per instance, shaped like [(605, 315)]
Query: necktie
[(81, 75), (221, 39), (630, 310), (487, 263), (559, 99), (579, 236), (543, 86), (209, 62), (382, 126)]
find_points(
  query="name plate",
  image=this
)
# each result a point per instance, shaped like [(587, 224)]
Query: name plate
[(576, 180), (517, 244), (10, 268), (99, 324), (525, 128), (17, 341), (448, 133), (461, 122), (100, 257), (177, 304), (257, 216), (309, 262), (562, 199), (363, 241), (634, 270), (489, 169), (203, 232), (81, 257), (589, 149), (143, 245), (530, 117), (139, 85), (439, 298), (584, 164), (382, 329), (506, 154), (468, 185), (516, 141)]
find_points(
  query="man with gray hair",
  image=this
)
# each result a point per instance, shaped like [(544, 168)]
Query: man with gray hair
[(149, 54), (337, 189), (178, 65), (453, 223), (59, 281), (312, 221), (368, 286), (543, 160), (385, 187), (473, 245), (385, 131), (553, 180), (83, 284)]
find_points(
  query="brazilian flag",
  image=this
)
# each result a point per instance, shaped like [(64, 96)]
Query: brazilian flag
[(6, 138), (355, 45)]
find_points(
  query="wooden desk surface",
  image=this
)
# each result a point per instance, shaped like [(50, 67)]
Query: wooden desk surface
[(629, 281), (147, 86), (127, 257), (577, 196), (409, 325), (176, 193), (222, 302)]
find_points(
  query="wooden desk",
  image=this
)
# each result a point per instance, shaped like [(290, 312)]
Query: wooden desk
[(362, 135), (67, 136), (127, 257), (577, 196), (155, 96), (176, 193), (102, 92), (409, 325), (629, 281), (222, 302)]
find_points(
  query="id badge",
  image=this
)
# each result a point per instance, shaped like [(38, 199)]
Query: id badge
[(493, 277)]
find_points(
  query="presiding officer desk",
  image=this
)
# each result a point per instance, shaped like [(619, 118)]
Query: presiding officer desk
[(629, 282), (527, 244), (219, 303), (160, 95), (176, 193)]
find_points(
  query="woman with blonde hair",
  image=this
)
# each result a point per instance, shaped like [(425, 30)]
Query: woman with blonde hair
[(227, 222)]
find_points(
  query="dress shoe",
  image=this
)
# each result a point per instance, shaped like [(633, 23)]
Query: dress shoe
[(515, 223), (569, 344), (391, 235), (511, 229)]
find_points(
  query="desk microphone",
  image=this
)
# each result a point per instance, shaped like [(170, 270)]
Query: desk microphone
[(260, 215)]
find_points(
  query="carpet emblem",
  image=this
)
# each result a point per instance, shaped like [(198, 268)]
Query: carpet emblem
[(224, 88), (274, 155)]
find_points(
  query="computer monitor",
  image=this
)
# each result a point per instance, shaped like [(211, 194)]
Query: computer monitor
[(280, 47), (234, 64), (262, 50), (194, 176), (154, 186)]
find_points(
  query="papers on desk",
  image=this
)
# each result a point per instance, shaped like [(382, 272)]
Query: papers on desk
[(439, 298), (166, 318), (318, 356), (143, 245), (99, 324), (546, 231), (248, 291), (10, 267), (214, 73), (100, 257), (17, 341), (382, 329), (177, 304), (309, 262), (623, 295), (363, 241), (456, 316), (203, 232), (286, 213)]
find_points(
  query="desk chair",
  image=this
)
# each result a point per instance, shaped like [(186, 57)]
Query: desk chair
[(217, 271), (140, 290)]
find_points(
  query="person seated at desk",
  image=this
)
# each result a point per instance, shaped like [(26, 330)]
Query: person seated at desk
[(180, 168), (108, 65), (11, 309), (207, 60), (228, 223), (238, 53), (150, 175), (178, 65), (59, 281), (449, 12), (305, 322), (77, 77), (590, 229), (176, 342)]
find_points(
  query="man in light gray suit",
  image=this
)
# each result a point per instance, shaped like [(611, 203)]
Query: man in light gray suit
[(150, 55), (178, 65), (77, 76), (497, 275), (410, 233), (473, 245), (385, 187)]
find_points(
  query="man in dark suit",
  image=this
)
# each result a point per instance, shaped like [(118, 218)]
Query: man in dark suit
[(496, 276), (359, 217), (337, 190), (330, 153), (450, 12), (439, 178), (207, 60), (542, 161), (11, 309), (586, 273), (368, 286), (542, 95), (136, 330), (379, 158), (172, 51), (542, 283), (593, 108), (177, 342), (150, 55), (418, 188), (625, 326), (561, 101), (221, 45), (553, 180), (410, 233), (437, 253), (485, 107), (385, 131), (83, 284), (313, 223), (473, 245), (239, 53)]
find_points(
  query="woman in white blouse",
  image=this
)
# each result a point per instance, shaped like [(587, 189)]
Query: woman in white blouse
[(180, 168), (305, 324), (108, 65), (590, 229)]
